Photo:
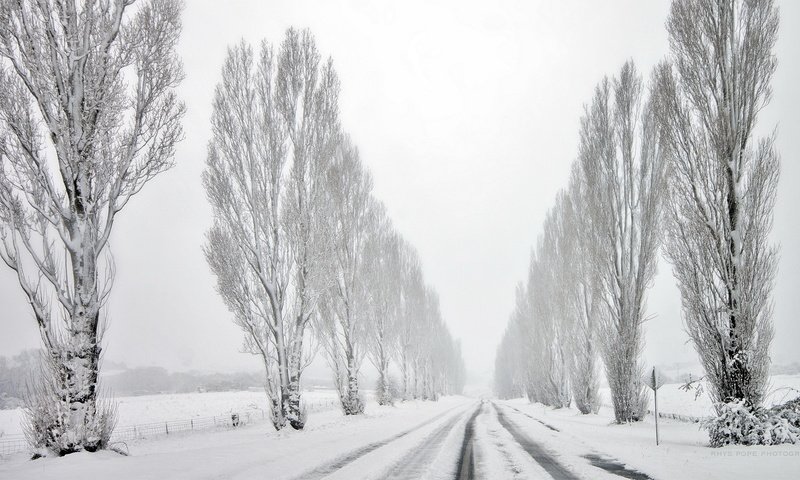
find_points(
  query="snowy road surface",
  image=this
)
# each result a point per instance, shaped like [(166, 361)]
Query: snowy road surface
[(454, 438)]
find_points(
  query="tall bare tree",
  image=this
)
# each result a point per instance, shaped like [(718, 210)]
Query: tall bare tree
[(274, 124), (355, 218), (549, 294), (412, 298), (247, 248), (88, 115), (582, 304), (308, 101), (723, 185), (383, 272), (625, 174)]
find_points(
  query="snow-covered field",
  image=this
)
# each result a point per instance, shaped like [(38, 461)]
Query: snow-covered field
[(181, 406), (671, 399)]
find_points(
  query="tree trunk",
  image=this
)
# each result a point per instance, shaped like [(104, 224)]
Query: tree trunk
[(351, 401), (294, 410), (405, 367), (63, 408), (384, 389)]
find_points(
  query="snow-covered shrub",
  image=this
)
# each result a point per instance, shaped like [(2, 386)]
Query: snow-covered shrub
[(382, 393), (386, 393), (352, 404), (50, 425), (739, 424)]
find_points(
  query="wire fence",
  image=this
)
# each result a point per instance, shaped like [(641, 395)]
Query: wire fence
[(17, 443), (679, 417), (672, 416), (13, 443)]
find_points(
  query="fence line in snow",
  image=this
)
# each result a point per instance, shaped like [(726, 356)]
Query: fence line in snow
[(17, 443), (671, 416), (679, 417), (12, 443)]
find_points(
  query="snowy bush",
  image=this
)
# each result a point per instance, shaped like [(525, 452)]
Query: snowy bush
[(387, 391), (739, 424), (352, 404), (49, 418)]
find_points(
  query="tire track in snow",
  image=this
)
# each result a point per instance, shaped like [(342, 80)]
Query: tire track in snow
[(615, 467), (536, 451), (497, 448), (602, 461), (466, 466), (414, 464), (340, 462), (534, 418)]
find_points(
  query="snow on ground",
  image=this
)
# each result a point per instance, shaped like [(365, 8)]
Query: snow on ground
[(417, 440), (683, 452), (10, 422), (254, 451), (179, 406), (671, 399)]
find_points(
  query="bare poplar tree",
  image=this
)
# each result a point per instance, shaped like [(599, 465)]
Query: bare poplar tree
[(273, 125), (532, 344), (246, 247), (412, 296), (581, 287), (88, 114), (549, 295), (383, 271), (624, 174), (354, 218), (509, 370), (723, 184), (308, 101)]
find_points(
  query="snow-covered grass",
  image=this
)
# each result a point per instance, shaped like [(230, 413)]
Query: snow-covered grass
[(180, 406), (684, 452), (256, 451), (671, 399)]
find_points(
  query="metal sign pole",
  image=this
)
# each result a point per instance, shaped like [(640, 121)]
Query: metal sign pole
[(655, 400)]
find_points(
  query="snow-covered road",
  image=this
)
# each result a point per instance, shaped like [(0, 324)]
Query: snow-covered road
[(456, 437)]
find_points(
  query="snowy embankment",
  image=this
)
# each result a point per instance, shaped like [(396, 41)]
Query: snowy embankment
[(332, 445), (683, 452)]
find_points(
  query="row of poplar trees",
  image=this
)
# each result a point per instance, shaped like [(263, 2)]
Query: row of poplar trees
[(673, 167), (304, 254)]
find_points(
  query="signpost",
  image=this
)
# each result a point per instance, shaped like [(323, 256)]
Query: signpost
[(654, 382)]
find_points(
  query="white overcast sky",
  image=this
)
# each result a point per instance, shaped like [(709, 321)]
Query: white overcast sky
[(467, 115)]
